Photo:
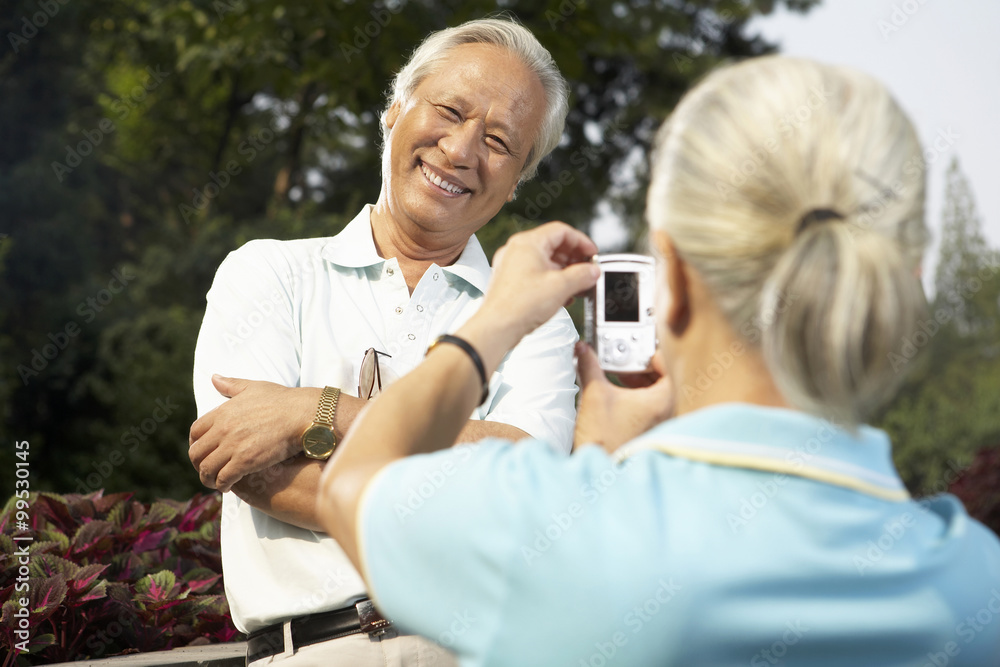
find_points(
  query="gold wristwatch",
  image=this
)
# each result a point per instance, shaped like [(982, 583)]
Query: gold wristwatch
[(319, 440)]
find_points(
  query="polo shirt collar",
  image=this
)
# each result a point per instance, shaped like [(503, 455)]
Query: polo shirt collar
[(780, 439), (354, 247), (472, 265)]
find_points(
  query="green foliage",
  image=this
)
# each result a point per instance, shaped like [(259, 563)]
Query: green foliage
[(950, 407), (107, 573), (151, 138)]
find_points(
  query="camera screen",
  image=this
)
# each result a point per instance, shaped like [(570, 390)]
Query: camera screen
[(621, 297)]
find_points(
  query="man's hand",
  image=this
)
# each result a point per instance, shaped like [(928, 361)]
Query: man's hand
[(609, 415), (261, 424)]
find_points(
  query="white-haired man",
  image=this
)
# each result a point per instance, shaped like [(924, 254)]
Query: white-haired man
[(470, 116)]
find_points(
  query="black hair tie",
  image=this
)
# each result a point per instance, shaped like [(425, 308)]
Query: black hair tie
[(818, 215)]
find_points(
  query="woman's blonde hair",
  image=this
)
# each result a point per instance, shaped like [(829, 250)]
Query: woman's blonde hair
[(796, 191)]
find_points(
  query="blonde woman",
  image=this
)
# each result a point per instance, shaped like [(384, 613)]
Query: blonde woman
[(762, 523)]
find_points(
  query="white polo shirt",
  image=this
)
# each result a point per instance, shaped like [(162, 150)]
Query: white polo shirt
[(302, 313)]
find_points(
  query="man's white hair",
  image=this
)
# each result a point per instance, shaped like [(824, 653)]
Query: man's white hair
[(505, 34)]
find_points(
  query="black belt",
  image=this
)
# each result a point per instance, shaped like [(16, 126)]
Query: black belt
[(316, 628)]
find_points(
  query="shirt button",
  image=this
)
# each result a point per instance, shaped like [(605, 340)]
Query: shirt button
[(399, 309), (435, 276), (389, 271), (411, 336), (420, 309)]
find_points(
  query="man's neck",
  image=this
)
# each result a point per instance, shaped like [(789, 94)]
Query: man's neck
[(414, 255)]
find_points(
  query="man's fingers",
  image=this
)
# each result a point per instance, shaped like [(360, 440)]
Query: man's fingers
[(229, 387), (207, 478), (221, 385), (225, 480), (211, 467), (197, 453), (202, 444), (200, 427)]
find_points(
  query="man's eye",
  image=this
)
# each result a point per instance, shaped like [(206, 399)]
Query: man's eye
[(498, 142), (450, 111)]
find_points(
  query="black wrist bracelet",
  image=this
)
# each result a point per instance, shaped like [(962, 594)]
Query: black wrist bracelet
[(471, 351)]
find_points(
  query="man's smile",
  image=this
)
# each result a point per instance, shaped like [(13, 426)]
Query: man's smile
[(448, 186)]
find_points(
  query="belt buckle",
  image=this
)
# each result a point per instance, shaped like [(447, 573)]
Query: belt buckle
[(371, 620)]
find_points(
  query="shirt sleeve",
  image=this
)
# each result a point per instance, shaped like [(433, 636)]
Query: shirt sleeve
[(445, 539), (538, 390), (249, 330), (432, 547)]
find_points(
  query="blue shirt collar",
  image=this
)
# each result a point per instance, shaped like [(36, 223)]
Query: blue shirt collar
[(354, 247), (780, 434)]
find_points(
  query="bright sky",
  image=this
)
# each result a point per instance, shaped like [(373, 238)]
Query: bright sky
[(942, 65)]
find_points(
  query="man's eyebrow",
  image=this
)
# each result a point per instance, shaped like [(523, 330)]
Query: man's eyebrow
[(504, 128), (451, 99)]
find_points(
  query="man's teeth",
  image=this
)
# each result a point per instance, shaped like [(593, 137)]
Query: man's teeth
[(441, 183)]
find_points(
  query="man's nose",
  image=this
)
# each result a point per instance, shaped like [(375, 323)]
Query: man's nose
[(461, 144)]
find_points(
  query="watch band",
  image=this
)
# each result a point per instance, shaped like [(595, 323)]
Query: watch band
[(319, 440), (327, 406)]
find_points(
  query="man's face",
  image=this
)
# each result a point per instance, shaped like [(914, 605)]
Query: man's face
[(457, 146)]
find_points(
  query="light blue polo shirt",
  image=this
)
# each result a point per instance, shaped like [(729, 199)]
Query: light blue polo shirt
[(735, 535)]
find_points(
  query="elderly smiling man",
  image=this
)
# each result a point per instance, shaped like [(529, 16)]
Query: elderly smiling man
[(471, 115)]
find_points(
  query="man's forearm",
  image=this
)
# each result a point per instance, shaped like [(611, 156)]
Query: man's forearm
[(287, 491)]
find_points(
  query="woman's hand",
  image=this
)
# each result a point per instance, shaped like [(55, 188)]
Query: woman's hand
[(534, 275), (610, 415)]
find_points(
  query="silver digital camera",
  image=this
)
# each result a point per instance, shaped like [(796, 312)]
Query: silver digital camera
[(618, 313)]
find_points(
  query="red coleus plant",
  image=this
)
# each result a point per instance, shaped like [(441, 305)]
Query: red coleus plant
[(108, 575), (978, 487)]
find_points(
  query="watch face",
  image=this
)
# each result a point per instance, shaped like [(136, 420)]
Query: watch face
[(318, 442)]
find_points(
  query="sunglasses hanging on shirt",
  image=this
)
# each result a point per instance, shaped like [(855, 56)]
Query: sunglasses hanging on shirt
[(370, 377)]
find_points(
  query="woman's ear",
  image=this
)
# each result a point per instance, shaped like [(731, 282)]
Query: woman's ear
[(679, 296)]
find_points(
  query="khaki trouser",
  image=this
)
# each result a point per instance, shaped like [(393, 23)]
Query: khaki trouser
[(361, 650)]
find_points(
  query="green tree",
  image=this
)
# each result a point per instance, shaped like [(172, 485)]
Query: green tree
[(965, 280), (950, 407)]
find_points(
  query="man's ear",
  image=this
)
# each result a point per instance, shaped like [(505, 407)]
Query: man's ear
[(391, 114), (513, 191), (679, 309)]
